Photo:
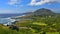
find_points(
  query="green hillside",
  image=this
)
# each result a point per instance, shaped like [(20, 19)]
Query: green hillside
[(41, 20), (38, 22)]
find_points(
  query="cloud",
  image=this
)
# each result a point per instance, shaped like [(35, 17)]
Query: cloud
[(41, 2), (13, 2)]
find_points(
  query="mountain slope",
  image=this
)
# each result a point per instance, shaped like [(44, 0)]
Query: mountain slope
[(44, 11), (40, 12)]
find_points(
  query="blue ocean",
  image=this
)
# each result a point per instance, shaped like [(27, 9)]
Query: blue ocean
[(9, 15), (5, 19)]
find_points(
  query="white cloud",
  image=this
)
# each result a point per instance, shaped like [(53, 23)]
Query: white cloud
[(13, 2), (41, 2)]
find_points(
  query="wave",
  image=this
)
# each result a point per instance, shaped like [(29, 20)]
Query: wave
[(9, 20)]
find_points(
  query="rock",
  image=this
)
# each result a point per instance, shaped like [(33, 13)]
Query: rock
[(14, 27)]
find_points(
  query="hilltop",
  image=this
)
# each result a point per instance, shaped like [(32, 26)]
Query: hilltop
[(44, 11), (40, 12)]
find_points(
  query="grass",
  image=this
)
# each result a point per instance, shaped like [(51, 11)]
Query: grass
[(52, 33), (40, 23), (6, 30)]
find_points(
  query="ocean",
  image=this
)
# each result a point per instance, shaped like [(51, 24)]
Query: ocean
[(5, 19), (9, 15)]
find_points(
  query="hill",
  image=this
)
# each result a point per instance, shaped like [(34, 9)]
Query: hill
[(41, 20), (40, 12), (44, 11)]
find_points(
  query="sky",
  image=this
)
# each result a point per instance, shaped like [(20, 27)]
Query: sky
[(23, 6)]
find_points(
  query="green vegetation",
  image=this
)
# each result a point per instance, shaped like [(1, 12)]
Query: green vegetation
[(38, 23)]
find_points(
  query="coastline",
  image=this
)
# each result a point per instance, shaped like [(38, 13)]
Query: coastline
[(10, 20)]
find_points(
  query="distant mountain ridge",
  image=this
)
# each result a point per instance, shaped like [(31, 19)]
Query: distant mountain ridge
[(40, 12), (43, 11)]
